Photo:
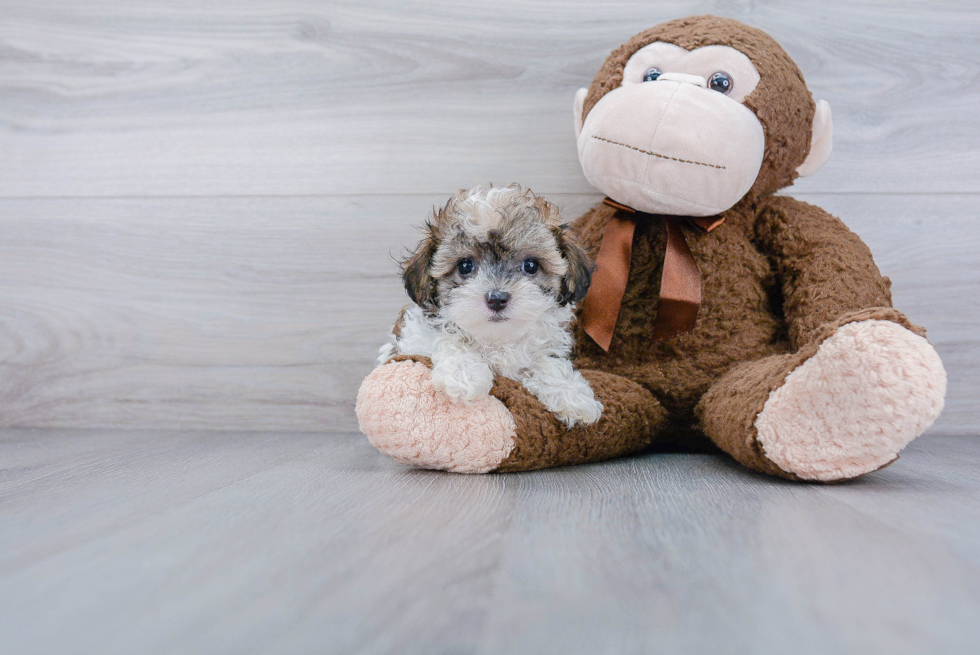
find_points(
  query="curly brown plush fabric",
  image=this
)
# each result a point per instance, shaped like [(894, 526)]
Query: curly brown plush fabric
[(631, 417)]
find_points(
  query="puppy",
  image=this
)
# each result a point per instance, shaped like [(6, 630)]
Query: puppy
[(493, 284)]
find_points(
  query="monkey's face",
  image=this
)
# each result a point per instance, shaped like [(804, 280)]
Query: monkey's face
[(675, 138), (689, 116)]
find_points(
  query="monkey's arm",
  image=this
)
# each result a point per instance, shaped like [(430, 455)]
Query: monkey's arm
[(827, 274), (407, 418), (629, 422)]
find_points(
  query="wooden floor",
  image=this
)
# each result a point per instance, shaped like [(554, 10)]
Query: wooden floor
[(200, 203), (202, 542)]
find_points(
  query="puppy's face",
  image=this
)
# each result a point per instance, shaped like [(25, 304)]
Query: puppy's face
[(495, 259)]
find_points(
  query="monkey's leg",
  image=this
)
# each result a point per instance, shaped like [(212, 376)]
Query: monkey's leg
[(405, 417), (839, 408)]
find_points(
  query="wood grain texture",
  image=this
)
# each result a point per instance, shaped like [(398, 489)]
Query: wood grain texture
[(266, 313), (204, 542), (135, 98), (161, 267)]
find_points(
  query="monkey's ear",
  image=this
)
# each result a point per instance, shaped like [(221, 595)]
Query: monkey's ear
[(419, 283), (576, 282), (579, 107), (822, 141)]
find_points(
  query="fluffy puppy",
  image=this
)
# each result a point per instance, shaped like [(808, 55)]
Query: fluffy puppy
[(493, 284)]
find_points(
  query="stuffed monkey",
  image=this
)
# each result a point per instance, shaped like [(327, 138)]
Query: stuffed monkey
[(720, 313)]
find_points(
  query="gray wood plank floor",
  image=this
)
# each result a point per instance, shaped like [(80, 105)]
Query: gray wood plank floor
[(206, 542)]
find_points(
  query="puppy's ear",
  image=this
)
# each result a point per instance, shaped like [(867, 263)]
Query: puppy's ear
[(416, 275), (576, 282)]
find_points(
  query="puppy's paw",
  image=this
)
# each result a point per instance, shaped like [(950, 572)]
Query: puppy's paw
[(566, 394), (579, 409), (462, 382)]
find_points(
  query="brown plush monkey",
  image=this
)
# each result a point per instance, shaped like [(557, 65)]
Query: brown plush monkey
[(720, 313)]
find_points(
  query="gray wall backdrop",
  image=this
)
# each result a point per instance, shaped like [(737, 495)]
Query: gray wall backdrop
[(199, 201)]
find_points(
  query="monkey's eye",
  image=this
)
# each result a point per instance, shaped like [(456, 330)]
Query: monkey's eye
[(721, 82), (652, 74), (465, 266), (530, 266)]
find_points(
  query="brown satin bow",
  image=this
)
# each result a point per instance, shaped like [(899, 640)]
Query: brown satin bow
[(680, 282)]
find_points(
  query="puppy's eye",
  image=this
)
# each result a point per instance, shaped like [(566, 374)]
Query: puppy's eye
[(465, 266), (652, 74), (721, 82), (530, 266)]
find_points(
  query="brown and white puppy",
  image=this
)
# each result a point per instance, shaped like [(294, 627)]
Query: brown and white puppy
[(493, 285)]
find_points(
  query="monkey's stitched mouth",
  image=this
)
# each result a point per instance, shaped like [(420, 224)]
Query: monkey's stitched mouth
[(657, 154), (498, 319)]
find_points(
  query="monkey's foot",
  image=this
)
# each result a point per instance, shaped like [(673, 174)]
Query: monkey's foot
[(407, 418), (871, 388)]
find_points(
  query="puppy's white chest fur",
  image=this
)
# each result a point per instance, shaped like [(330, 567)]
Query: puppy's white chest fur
[(464, 365)]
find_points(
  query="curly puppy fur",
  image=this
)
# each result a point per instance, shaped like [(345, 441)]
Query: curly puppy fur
[(493, 284)]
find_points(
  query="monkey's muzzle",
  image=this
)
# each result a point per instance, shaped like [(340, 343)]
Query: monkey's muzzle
[(671, 147)]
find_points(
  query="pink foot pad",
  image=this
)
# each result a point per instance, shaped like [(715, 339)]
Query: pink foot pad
[(405, 418), (870, 389)]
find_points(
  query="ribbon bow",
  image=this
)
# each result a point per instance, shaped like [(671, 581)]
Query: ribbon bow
[(680, 282)]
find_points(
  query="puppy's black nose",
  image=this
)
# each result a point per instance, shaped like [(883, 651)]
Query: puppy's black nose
[(497, 300)]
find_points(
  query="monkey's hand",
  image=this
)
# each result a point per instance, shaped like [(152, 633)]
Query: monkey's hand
[(406, 418)]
